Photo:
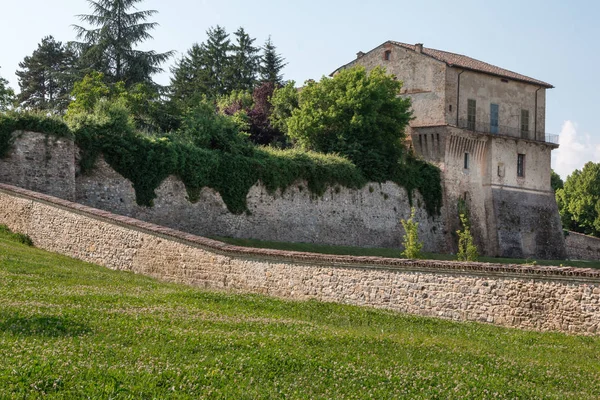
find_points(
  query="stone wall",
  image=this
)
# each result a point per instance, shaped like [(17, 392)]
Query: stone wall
[(582, 247), (369, 217), (39, 162), (530, 297)]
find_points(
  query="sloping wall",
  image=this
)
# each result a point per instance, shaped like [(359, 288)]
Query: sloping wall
[(530, 297)]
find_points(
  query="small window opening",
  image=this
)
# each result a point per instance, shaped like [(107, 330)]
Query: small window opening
[(521, 165), (504, 80), (387, 55), (450, 108), (466, 161)]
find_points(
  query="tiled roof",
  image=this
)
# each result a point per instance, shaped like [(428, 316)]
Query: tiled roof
[(460, 61)]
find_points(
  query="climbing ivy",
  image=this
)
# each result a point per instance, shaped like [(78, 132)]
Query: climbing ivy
[(147, 160)]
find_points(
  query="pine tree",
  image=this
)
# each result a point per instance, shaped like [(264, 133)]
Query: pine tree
[(217, 61), (272, 64), (46, 77), (6, 95), (190, 75), (244, 62), (110, 46)]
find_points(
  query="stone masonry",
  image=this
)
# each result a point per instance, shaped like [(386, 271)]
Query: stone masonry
[(528, 297)]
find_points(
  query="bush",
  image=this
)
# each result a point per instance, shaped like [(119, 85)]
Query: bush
[(467, 251), (411, 243)]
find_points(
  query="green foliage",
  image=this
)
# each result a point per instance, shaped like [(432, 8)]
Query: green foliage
[(412, 244), (579, 200), (15, 237), (467, 251), (556, 181), (87, 93), (46, 77), (285, 100), (243, 67), (272, 64), (208, 151), (27, 121), (7, 95), (109, 46), (356, 114), (205, 128)]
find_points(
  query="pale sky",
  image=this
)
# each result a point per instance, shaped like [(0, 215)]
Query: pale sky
[(554, 41)]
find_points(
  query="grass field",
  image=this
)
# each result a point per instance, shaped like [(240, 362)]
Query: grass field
[(392, 253), (74, 330)]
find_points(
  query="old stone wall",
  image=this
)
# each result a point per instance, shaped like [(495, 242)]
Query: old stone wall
[(582, 247), (540, 298), (369, 217), (43, 163)]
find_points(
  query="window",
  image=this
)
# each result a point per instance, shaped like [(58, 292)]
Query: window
[(521, 165), (471, 112), (387, 55), (450, 107), (494, 111), (466, 162), (525, 124)]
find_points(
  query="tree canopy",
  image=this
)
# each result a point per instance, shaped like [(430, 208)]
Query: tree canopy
[(7, 95), (579, 200), (356, 114), (272, 64), (109, 46), (46, 77)]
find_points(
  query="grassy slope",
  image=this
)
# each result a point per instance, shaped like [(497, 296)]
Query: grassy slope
[(392, 253), (74, 330)]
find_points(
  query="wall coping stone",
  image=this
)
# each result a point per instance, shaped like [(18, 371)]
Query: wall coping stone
[(533, 272)]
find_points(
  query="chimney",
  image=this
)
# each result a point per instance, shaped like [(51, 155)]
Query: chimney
[(359, 54), (419, 47)]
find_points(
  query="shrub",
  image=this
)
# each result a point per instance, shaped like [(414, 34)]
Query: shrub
[(412, 245), (467, 251)]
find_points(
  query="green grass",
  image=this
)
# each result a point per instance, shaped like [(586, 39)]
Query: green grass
[(74, 330), (391, 253)]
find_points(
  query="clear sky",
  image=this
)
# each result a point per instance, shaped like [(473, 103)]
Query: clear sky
[(554, 41)]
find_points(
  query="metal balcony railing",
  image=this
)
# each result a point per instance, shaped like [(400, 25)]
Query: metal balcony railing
[(504, 131)]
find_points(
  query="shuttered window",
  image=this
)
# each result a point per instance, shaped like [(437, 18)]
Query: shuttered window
[(494, 111), (471, 114), (525, 124)]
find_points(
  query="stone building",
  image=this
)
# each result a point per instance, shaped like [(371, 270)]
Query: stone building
[(484, 126)]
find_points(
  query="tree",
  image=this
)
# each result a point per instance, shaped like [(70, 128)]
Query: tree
[(190, 76), (46, 77), (579, 200), (411, 242), (244, 62), (356, 114), (467, 251), (204, 71), (556, 181), (110, 46), (284, 101), (7, 95), (272, 64)]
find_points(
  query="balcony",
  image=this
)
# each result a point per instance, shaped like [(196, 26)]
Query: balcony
[(502, 130)]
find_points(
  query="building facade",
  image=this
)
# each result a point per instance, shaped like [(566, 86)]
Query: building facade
[(484, 126)]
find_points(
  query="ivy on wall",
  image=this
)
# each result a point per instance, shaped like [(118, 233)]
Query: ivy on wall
[(147, 160)]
